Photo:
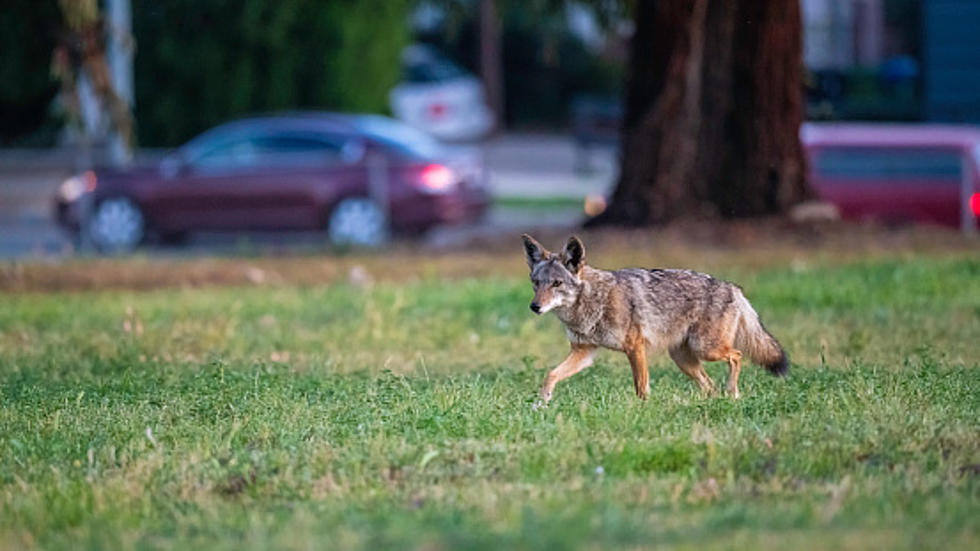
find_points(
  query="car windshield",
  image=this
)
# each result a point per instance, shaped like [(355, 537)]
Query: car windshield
[(205, 143), (400, 137), (432, 71)]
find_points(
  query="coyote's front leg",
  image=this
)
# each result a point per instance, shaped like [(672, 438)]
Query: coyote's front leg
[(578, 359)]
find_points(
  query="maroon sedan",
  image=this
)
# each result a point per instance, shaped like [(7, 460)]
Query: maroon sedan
[(897, 172), (357, 177)]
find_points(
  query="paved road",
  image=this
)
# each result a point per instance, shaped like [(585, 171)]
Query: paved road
[(532, 165), (522, 166), (25, 220)]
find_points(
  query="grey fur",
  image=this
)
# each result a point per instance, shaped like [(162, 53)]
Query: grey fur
[(692, 315)]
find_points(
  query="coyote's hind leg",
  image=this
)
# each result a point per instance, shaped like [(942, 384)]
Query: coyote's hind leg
[(636, 350), (688, 362)]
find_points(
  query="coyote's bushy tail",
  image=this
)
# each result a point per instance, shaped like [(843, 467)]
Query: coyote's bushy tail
[(753, 339)]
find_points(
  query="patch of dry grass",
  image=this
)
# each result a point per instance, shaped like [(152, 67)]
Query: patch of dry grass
[(708, 247)]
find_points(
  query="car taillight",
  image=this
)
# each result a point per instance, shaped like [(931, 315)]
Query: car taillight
[(437, 178), (975, 204), (90, 180), (437, 110)]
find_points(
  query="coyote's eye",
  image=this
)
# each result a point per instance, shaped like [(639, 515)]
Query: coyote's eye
[(556, 283)]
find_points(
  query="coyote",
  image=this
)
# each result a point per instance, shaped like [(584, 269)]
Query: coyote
[(692, 315)]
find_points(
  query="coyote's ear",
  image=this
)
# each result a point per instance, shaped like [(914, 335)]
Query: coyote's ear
[(573, 255), (533, 250)]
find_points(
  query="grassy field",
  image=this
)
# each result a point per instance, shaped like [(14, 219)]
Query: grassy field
[(283, 412)]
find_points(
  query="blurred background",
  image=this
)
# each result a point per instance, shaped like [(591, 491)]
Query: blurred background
[(218, 126)]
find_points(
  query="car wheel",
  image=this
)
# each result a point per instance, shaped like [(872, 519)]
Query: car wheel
[(116, 225), (358, 221)]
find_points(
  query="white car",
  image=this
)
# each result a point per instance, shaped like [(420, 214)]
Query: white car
[(439, 97)]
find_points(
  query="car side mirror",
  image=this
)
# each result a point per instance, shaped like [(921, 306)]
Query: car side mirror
[(171, 167)]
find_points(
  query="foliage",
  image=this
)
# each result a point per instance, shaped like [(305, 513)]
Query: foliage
[(546, 67), (201, 63), (28, 31), (398, 416)]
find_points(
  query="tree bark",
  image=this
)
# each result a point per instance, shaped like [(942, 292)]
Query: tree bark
[(82, 50), (713, 107)]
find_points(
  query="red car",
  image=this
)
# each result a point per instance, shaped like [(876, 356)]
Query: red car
[(897, 172), (357, 177)]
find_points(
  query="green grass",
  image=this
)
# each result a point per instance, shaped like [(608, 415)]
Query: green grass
[(398, 416)]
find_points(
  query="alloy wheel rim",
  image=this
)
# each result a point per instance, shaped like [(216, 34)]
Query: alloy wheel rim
[(357, 222), (117, 224)]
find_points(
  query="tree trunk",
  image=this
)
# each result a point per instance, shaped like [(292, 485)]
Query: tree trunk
[(491, 58), (713, 107), (81, 52)]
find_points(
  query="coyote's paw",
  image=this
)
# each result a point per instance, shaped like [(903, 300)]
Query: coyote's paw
[(539, 404)]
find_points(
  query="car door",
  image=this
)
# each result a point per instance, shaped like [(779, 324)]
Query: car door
[(256, 181), (209, 189), (890, 182), (294, 170)]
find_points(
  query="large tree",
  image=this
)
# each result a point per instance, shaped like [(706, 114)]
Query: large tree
[(713, 107)]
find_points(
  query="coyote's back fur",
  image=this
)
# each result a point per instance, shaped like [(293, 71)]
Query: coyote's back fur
[(693, 316)]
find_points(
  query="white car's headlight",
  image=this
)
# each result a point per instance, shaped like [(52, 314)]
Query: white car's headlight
[(76, 186)]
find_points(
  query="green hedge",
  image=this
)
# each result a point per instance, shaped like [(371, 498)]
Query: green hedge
[(201, 63), (28, 30)]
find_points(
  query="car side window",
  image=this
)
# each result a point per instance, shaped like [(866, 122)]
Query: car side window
[(226, 154), (273, 150), (293, 149), (892, 165)]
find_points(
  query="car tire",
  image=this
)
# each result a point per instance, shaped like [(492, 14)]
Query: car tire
[(116, 225), (358, 222)]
